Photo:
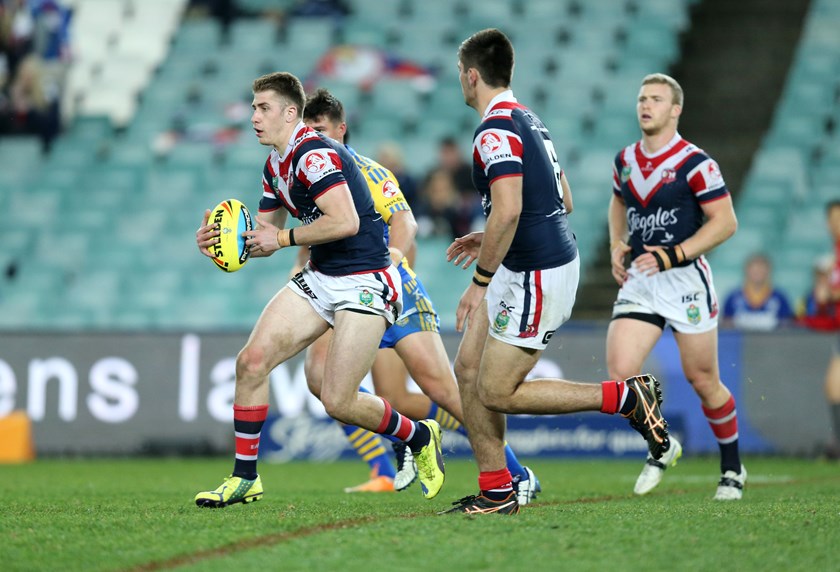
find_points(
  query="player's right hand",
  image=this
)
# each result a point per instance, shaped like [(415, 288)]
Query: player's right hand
[(207, 235), (618, 253), (464, 250)]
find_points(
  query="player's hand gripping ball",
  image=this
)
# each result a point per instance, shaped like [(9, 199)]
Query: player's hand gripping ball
[(231, 253)]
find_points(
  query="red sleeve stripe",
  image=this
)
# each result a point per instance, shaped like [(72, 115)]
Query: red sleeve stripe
[(494, 179), (338, 184)]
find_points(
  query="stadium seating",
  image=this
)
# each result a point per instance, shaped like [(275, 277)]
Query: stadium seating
[(797, 170), (114, 207)]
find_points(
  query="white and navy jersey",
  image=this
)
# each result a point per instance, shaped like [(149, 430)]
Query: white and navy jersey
[(512, 142), (664, 192), (311, 165)]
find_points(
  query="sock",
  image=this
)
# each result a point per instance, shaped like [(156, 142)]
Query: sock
[(724, 424), (513, 464), (835, 417), (495, 485), (369, 447), (413, 434), (445, 418), (391, 438), (247, 424), (617, 398)]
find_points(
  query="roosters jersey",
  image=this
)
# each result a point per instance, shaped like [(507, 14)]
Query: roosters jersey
[(512, 142), (312, 165), (664, 191)]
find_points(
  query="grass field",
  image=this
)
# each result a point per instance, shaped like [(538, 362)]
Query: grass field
[(138, 515)]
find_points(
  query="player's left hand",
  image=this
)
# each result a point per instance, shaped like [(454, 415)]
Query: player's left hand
[(471, 298), (464, 250), (262, 239), (659, 259)]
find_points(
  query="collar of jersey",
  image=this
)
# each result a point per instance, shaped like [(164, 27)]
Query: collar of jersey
[(506, 95), (290, 146), (674, 140)]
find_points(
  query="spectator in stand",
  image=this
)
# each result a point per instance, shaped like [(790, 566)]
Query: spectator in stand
[(452, 160), (390, 156), (442, 211), (756, 305), (816, 311), (34, 109)]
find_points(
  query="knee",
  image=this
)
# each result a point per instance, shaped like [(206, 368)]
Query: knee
[(335, 406), (704, 382), (251, 366), (314, 378), (494, 399), (465, 373)]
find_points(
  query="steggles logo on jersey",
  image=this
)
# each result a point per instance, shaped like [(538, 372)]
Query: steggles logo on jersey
[(389, 189), (645, 226), (714, 171), (647, 169)]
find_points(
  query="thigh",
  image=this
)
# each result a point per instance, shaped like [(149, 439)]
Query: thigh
[(286, 326), (390, 378), (699, 356), (504, 366), (355, 342), (425, 358), (316, 357), (629, 342)]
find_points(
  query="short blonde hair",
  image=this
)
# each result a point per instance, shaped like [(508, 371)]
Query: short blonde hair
[(661, 78)]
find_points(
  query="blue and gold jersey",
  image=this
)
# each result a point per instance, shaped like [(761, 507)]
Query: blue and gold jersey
[(387, 200)]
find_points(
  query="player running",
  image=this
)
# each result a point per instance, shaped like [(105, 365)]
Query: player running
[(414, 339), (526, 278), (349, 285), (669, 207)]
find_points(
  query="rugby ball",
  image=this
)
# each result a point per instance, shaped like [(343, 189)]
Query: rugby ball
[(231, 253)]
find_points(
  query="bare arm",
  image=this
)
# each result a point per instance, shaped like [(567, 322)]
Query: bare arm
[(506, 197), (617, 220), (338, 220), (402, 228), (567, 194), (720, 224)]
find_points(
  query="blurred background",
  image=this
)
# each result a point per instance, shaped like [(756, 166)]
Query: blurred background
[(122, 120)]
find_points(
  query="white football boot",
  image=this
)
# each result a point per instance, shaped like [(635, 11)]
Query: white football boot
[(731, 485), (652, 473)]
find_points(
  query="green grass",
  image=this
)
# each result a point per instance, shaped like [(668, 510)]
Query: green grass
[(138, 515)]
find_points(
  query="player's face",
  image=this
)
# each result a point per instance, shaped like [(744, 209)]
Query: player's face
[(466, 88), (272, 119), (332, 129), (655, 109)]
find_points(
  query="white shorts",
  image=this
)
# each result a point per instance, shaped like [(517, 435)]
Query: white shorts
[(683, 298), (378, 293), (525, 308)]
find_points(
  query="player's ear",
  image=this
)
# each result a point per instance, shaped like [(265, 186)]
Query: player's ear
[(676, 111)]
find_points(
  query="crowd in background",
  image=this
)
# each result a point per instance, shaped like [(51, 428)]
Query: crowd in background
[(34, 51)]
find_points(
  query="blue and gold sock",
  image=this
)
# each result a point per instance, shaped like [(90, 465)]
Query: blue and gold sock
[(447, 420), (370, 448)]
